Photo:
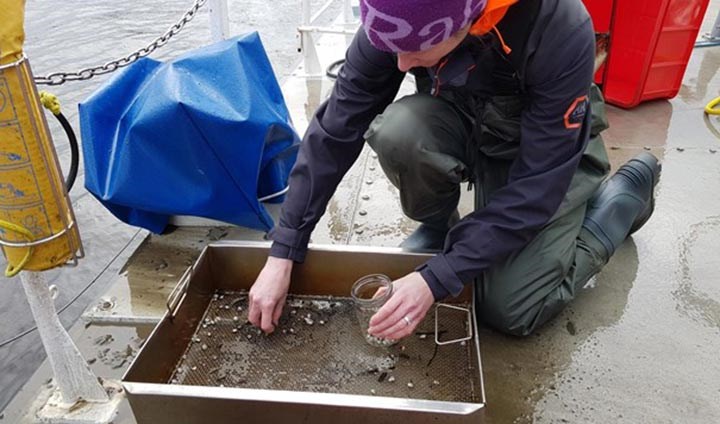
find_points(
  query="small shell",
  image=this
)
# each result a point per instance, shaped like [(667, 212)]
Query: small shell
[(410, 385), (194, 368), (236, 318), (234, 330), (321, 322), (372, 391), (423, 336), (309, 321), (435, 382), (391, 379), (204, 346)]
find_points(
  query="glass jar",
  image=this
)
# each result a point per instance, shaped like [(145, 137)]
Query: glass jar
[(369, 294)]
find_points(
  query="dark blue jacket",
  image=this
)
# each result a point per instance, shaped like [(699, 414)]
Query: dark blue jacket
[(550, 69)]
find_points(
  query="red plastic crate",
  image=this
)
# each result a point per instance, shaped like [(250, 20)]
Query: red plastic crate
[(650, 45), (601, 14)]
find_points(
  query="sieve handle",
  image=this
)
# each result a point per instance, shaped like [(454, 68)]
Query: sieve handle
[(178, 293), (437, 319)]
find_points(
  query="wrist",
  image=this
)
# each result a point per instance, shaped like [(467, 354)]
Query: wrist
[(279, 263)]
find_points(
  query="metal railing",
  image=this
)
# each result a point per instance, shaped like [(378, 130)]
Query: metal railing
[(308, 30), (713, 38)]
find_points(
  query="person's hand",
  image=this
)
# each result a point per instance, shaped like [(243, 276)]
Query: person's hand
[(410, 302), (267, 296)]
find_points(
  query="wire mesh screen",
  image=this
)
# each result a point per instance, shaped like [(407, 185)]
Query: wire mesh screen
[(318, 347)]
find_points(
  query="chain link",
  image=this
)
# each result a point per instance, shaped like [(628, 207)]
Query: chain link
[(57, 78)]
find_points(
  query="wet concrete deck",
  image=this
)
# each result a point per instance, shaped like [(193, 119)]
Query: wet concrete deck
[(638, 345)]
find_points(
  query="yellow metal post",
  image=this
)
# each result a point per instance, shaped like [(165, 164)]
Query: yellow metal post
[(32, 193), (38, 230)]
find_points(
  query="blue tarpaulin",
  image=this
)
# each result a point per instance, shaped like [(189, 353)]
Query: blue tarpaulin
[(207, 134)]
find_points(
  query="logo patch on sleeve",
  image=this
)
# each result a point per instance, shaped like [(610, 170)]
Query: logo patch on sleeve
[(576, 113)]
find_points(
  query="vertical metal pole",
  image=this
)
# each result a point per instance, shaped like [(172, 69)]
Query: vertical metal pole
[(347, 11), (73, 376), (219, 25), (715, 33), (348, 19), (305, 13), (307, 45)]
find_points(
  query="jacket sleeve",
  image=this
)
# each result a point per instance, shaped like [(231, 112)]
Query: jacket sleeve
[(554, 134), (367, 83)]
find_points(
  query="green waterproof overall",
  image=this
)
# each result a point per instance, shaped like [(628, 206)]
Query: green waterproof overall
[(428, 162)]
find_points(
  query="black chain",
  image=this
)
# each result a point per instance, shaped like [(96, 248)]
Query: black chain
[(57, 78)]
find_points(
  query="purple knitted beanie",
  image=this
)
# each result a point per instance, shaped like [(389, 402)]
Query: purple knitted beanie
[(415, 25)]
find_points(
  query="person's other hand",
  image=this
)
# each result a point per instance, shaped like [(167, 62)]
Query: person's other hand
[(402, 313), (267, 296)]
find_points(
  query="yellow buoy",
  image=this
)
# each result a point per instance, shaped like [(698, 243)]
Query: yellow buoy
[(33, 198)]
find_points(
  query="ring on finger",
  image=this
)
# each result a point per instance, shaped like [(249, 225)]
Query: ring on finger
[(408, 321)]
